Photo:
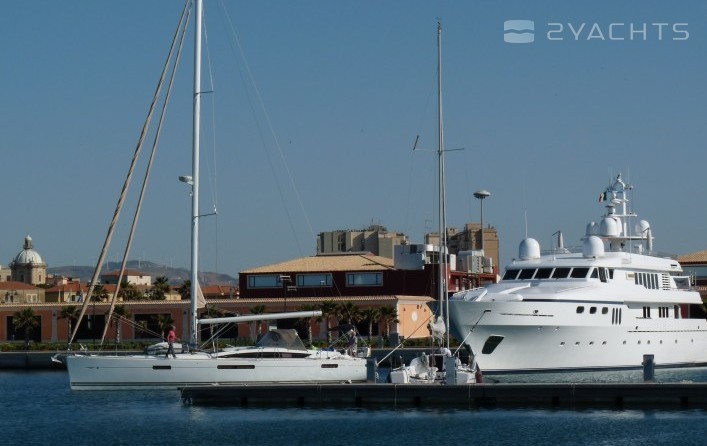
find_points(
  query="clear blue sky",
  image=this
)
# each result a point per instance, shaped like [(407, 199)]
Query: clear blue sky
[(347, 86)]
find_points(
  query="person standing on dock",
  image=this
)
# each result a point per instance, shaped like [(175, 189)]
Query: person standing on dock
[(171, 337)]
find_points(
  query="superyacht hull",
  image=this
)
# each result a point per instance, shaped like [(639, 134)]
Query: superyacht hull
[(94, 372), (530, 337)]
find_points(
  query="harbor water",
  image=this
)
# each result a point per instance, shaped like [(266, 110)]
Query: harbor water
[(39, 408)]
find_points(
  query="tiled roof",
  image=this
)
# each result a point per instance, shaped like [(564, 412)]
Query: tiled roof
[(346, 262), (128, 272), (695, 257), (10, 285)]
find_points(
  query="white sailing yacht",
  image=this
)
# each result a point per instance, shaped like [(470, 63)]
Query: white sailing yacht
[(441, 366), (280, 357)]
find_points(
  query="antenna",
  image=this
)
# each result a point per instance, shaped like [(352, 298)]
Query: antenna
[(525, 216)]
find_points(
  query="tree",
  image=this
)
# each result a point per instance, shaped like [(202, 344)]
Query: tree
[(328, 309), (370, 315), (99, 293), (160, 288), (184, 290), (308, 321), (258, 309), (128, 291), (71, 314), (349, 312), (25, 320), (388, 315), (164, 321)]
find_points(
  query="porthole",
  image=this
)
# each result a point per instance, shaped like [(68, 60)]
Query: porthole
[(576, 343), (562, 344), (591, 342), (603, 343), (648, 342), (604, 310), (580, 310), (592, 310), (639, 342), (624, 342)]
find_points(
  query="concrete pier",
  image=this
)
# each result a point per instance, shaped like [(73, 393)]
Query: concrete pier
[(558, 395)]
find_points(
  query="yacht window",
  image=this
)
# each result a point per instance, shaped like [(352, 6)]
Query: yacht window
[(604, 310), (526, 274), (560, 273), (511, 274), (543, 273), (611, 273), (595, 273), (580, 310), (592, 310), (491, 344), (579, 273)]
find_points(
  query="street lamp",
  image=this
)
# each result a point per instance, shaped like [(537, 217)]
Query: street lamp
[(481, 195)]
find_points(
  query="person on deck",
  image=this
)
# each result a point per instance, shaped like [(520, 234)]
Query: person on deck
[(171, 337)]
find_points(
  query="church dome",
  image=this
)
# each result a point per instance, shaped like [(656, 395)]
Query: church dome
[(28, 254)]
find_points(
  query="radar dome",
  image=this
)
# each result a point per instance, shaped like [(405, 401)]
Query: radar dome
[(641, 227), (593, 247), (609, 227), (529, 249), (592, 228)]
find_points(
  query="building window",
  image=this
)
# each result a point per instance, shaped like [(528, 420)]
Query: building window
[(313, 280), (364, 279), (264, 281)]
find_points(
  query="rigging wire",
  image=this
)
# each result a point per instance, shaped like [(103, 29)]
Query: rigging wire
[(128, 178), (146, 178), (261, 105), (212, 164)]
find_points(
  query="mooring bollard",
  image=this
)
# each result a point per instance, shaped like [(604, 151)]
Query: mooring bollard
[(648, 368)]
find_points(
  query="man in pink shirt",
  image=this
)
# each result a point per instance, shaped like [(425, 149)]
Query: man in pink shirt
[(171, 337)]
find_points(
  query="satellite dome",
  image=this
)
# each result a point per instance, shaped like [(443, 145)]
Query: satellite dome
[(529, 249), (593, 247), (641, 227), (592, 228), (28, 255), (609, 227)]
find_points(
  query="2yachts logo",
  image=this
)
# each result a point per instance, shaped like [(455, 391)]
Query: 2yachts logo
[(523, 31)]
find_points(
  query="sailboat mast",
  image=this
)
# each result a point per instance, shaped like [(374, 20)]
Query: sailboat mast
[(442, 260), (193, 340)]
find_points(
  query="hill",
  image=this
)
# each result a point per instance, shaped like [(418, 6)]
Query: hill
[(176, 275)]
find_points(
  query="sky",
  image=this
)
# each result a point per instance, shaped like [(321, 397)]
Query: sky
[(313, 109)]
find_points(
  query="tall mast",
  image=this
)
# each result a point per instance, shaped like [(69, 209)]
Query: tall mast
[(193, 340), (442, 260)]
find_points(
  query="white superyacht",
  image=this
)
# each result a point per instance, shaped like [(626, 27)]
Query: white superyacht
[(602, 308)]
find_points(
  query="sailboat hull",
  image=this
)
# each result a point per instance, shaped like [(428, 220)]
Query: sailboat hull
[(145, 371)]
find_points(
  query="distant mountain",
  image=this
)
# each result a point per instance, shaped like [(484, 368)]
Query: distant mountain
[(176, 275)]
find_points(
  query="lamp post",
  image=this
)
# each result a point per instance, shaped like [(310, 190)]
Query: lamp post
[(481, 195)]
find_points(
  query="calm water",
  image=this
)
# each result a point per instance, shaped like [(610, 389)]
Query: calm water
[(39, 408)]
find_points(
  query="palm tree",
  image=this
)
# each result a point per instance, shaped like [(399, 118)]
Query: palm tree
[(258, 309), (160, 288), (388, 315), (164, 321), (308, 321), (349, 312), (25, 320), (370, 315), (70, 313), (184, 290), (328, 309), (129, 292), (99, 293)]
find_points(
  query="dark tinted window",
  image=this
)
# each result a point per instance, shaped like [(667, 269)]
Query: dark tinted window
[(561, 273), (543, 273), (579, 273), (510, 274), (526, 274), (491, 344)]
